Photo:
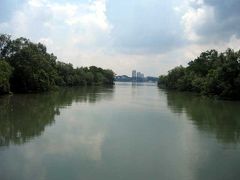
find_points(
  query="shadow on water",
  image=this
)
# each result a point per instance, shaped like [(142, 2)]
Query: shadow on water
[(23, 117), (213, 116)]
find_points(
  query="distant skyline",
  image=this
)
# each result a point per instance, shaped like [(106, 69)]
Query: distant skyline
[(151, 36)]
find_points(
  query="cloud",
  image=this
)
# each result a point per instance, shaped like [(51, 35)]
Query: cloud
[(151, 36), (194, 19), (96, 33), (67, 26), (144, 26), (227, 18), (211, 20)]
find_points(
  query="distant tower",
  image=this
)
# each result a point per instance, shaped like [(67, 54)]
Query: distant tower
[(138, 76), (134, 75)]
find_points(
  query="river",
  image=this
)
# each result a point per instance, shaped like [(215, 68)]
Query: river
[(125, 132)]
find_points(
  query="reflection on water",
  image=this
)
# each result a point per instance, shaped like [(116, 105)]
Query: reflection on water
[(220, 118), (129, 131), (23, 117)]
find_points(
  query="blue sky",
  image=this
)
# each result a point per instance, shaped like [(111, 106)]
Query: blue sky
[(151, 36)]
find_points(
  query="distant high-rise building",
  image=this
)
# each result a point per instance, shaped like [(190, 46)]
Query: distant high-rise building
[(140, 77), (134, 75), (138, 74)]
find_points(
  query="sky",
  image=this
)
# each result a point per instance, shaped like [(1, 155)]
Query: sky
[(151, 36)]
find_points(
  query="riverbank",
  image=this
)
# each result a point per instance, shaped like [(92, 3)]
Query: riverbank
[(28, 67), (211, 74)]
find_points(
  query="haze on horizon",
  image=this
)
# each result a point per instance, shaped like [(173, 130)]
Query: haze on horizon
[(151, 36)]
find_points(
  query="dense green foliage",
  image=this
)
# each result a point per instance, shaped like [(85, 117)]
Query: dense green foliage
[(5, 73), (28, 67), (212, 73)]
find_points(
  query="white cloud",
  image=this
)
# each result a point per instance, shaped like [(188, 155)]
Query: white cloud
[(37, 3), (81, 33), (197, 2), (198, 19), (46, 41), (194, 18), (66, 28)]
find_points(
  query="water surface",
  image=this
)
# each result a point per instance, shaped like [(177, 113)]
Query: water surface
[(125, 132)]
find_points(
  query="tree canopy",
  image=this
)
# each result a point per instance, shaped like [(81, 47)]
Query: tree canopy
[(211, 73), (5, 73), (28, 67)]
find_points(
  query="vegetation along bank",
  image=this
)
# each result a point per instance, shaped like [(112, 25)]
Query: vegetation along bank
[(28, 67), (212, 74)]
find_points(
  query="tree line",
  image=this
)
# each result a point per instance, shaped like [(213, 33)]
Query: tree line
[(28, 67), (212, 74)]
